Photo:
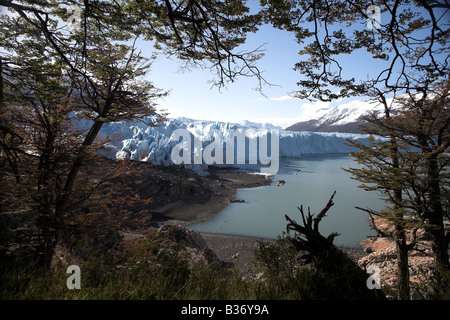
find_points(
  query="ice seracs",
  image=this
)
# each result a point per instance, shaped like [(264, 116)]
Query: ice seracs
[(139, 141)]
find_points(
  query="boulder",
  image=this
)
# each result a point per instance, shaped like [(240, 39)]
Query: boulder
[(188, 242)]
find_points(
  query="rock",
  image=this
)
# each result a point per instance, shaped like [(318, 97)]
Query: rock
[(368, 250), (280, 182), (237, 201), (188, 242), (75, 247)]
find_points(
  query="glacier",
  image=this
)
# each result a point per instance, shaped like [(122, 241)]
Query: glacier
[(152, 143)]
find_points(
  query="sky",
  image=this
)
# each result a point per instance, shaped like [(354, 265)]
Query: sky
[(193, 97), (191, 94)]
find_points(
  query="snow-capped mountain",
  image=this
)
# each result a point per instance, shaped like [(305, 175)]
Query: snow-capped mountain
[(346, 117)]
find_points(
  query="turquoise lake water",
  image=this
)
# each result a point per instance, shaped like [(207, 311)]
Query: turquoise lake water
[(309, 181)]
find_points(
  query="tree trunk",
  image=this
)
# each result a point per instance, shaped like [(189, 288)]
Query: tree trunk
[(50, 236), (1, 86), (435, 216), (403, 287)]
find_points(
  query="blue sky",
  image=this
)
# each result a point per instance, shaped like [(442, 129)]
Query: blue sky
[(192, 96)]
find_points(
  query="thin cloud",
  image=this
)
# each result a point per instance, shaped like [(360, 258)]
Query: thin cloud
[(282, 98)]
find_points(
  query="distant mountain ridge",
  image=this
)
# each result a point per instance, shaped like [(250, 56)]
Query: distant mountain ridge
[(347, 117)]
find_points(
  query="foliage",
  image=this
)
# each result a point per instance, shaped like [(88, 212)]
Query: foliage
[(143, 270), (421, 133), (407, 46), (434, 286)]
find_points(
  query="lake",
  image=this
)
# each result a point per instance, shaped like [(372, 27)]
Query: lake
[(310, 180)]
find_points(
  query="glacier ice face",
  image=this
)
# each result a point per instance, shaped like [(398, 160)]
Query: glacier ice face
[(139, 141), (296, 144)]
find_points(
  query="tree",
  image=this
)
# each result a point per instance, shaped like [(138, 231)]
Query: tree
[(200, 33), (382, 164), (53, 77), (424, 125), (420, 175)]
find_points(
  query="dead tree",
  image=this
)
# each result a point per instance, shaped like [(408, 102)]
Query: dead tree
[(348, 280)]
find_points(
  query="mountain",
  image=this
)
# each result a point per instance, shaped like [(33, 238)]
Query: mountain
[(346, 117)]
